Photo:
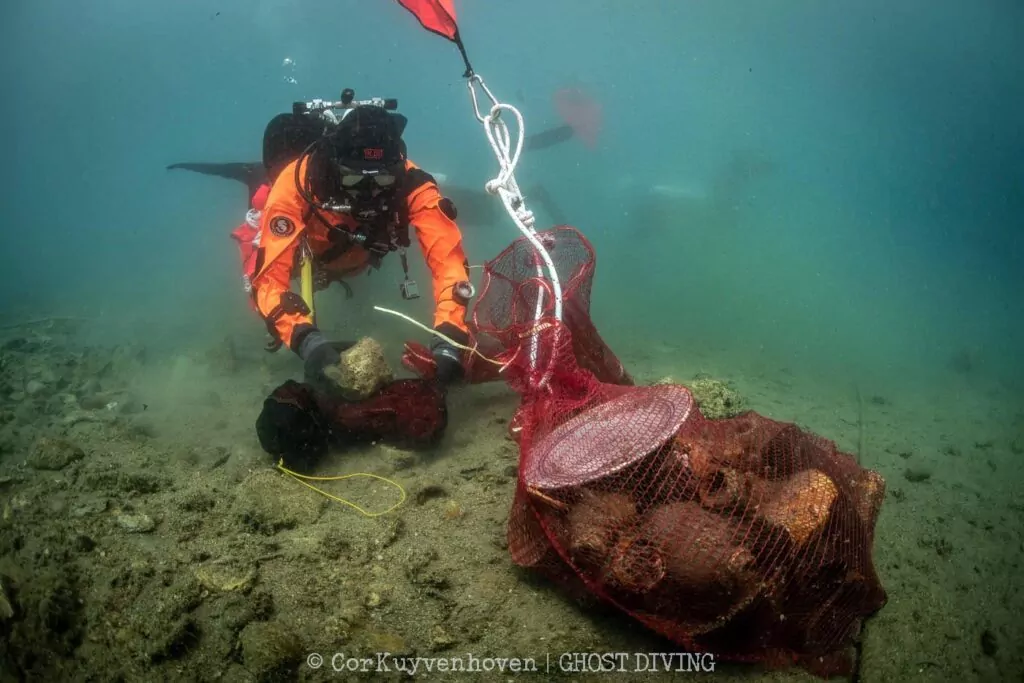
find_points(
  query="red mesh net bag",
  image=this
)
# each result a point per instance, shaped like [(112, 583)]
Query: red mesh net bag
[(508, 299), (299, 424), (744, 537)]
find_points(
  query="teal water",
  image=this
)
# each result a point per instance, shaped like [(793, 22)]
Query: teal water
[(885, 237), (869, 239)]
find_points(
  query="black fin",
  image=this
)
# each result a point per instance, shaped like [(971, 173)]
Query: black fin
[(540, 194), (252, 175), (548, 138)]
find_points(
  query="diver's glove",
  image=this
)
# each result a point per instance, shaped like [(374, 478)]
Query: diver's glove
[(317, 353), (447, 356)]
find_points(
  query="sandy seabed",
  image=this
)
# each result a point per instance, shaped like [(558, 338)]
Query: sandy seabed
[(146, 536)]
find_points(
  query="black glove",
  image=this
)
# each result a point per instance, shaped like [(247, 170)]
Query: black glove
[(317, 353), (449, 362)]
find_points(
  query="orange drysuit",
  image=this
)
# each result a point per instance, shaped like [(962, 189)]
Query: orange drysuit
[(288, 219)]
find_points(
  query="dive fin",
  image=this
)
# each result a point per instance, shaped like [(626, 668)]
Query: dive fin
[(474, 207), (548, 138), (252, 175), (540, 194)]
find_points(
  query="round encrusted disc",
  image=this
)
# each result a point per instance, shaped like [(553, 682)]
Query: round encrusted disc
[(608, 437)]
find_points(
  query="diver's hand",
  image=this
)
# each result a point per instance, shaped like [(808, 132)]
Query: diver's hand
[(317, 353), (449, 362)]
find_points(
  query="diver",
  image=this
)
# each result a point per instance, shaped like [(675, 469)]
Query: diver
[(288, 134), (347, 200)]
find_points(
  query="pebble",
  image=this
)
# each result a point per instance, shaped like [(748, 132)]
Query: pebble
[(34, 387), (53, 454), (6, 610), (440, 639), (91, 386), (916, 475), (136, 524), (989, 644)]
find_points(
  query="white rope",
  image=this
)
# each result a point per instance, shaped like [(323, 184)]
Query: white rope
[(507, 188)]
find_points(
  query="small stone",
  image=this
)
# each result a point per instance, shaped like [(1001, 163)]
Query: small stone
[(94, 401), (53, 454), (440, 639), (916, 475), (6, 610), (77, 416), (429, 491), (91, 508), (84, 544), (136, 524), (34, 387), (399, 459), (452, 509), (270, 651), (224, 578), (989, 645)]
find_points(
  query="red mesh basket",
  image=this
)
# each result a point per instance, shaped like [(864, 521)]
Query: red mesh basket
[(745, 537)]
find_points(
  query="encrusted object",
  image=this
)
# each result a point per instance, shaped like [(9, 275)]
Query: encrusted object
[(800, 504), (362, 370), (683, 531), (869, 491), (716, 399), (595, 523)]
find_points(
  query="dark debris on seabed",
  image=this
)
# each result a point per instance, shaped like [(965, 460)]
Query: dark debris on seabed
[(128, 553)]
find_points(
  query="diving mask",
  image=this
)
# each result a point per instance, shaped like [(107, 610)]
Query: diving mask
[(351, 179)]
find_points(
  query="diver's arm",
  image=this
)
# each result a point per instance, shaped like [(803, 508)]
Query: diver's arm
[(440, 240), (287, 316)]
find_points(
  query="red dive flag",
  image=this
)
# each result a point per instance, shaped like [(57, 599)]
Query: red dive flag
[(437, 16)]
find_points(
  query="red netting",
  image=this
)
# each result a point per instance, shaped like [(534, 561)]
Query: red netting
[(511, 289), (405, 412), (298, 423), (744, 537)]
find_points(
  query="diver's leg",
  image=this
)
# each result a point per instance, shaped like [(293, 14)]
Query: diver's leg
[(548, 138)]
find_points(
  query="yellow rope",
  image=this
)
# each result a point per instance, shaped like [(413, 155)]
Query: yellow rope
[(300, 477)]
